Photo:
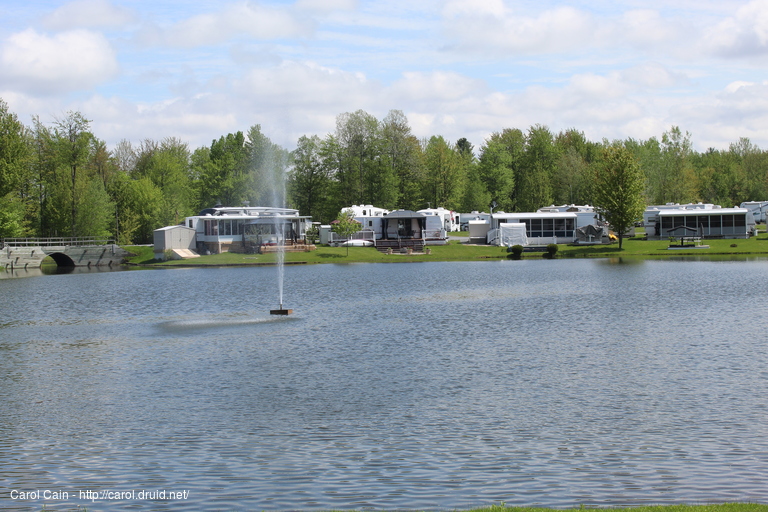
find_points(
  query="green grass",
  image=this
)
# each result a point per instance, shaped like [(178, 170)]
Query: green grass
[(455, 251)]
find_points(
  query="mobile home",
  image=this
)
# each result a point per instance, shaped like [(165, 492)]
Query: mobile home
[(710, 221), (246, 228)]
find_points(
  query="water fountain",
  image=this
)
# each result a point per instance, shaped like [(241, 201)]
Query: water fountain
[(280, 232), (278, 201)]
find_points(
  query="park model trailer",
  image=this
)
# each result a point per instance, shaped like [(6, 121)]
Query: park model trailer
[(247, 228), (709, 221)]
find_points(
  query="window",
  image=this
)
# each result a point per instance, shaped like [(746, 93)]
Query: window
[(740, 220), (548, 227), (211, 228), (535, 229)]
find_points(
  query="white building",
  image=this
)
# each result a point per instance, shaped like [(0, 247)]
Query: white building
[(246, 228), (375, 225), (465, 218), (709, 221), (549, 225), (759, 209), (449, 219), (541, 228)]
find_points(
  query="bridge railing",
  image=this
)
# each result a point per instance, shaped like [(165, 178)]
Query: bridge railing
[(57, 241)]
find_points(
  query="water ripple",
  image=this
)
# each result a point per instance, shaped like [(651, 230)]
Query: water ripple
[(414, 386)]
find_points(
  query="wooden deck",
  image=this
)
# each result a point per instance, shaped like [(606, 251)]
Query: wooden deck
[(415, 244)]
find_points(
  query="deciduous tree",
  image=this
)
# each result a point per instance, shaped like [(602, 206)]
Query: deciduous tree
[(618, 190)]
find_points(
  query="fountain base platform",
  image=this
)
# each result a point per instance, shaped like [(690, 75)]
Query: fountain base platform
[(280, 311)]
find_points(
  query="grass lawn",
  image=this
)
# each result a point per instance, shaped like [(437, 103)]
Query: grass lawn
[(456, 251)]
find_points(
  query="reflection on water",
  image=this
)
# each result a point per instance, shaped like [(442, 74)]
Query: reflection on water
[(53, 269), (415, 386)]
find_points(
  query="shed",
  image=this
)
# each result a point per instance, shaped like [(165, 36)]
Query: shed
[(173, 237), (513, 233)]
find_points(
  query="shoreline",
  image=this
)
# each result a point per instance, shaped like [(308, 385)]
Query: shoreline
[(633, 249)]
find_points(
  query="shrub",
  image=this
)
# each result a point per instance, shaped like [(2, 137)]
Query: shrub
[(515, 252), (552, 250)]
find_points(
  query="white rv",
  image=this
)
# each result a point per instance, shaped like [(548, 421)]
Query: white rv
[(759, 209), (448, 219), (709, 220)]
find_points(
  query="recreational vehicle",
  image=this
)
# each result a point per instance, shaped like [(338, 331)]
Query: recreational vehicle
[(709, 221), (759, 209), (247, 228)]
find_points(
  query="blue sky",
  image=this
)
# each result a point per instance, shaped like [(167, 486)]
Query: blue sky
[(197, 70)]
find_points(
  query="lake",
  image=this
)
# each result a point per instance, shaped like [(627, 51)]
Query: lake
[(392, 386)]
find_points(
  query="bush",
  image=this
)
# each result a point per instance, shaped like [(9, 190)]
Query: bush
[(552, 250), (515, 252)]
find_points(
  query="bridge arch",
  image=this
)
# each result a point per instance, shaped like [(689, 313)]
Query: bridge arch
[(62, 260)]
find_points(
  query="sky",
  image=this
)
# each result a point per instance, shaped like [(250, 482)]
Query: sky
[(197, 70)]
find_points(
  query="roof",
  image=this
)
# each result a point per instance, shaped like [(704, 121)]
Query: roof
[(404, 214), (694, 213), (177, 226), (535, 215)]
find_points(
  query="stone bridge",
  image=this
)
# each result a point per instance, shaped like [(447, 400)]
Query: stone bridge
[(18, 253)]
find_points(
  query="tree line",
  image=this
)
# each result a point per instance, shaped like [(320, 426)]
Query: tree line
[(60, 179)]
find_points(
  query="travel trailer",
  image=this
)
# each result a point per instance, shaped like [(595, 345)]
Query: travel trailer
[(759, 209)]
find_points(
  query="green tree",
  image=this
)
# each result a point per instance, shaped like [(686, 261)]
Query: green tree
[(719, 176), (72, 140), (572, 175), (15, 154), (167, 166), (346, 226), (14, 150), (754, 170), (442, 174), (400, 151), (359, 149), (94, 216), (309, 180), (533, 186), (679, 176), (475, 196), (267, 168), (500, 159), (618, 189)]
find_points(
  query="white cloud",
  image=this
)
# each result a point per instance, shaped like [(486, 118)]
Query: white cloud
[(743, 35), (245, 18), (499, 31), (646, 29), (88, 14), (435, 87), (326, 6), (474, 8), (61, 63)]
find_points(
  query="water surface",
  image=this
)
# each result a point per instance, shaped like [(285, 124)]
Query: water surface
[(413, 385)]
